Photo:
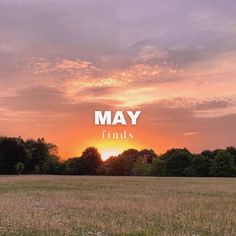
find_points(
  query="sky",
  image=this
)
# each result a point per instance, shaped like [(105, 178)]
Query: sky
[(175, 60)]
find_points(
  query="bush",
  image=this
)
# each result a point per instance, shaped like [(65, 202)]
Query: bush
[(223, 165)]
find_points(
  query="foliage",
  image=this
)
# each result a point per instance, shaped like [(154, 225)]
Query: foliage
[(19, 167), (141, 167), (73, 166), (88, 164), (39, 157), (12, 151), (199, 167), (177, 160), (159, 167), (36, 156), (223, 165)]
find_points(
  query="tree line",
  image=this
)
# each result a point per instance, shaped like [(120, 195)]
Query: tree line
[(18, 156)]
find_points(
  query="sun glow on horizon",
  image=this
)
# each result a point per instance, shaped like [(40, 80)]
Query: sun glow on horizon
[(106, 153), (110, 148)]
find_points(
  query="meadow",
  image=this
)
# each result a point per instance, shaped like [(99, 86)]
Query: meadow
[(130, 206)]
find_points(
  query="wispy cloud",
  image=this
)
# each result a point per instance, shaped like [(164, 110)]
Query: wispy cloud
[(191, 133)]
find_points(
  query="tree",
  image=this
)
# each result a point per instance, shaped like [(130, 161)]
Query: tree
[(43, 156), (159, 167), (115, 166), (177, 160), (199, 167), (12, 150), (123, 163), (232, 151), (102, 170), (90, 160), (148, 154), (127, 160), (208, 154), (141, 167), (223, 165), (54, 166), (19, 167), (74, 166)]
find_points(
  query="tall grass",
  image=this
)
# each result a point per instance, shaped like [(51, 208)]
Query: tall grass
[(72, 205)]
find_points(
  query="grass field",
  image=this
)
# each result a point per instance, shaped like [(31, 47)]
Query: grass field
[(71, 205)]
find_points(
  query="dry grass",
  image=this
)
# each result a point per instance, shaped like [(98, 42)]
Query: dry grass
[(70, 205)]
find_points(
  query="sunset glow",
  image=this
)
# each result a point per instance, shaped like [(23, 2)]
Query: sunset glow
[(109, 153), (113, 148), (173, 61)]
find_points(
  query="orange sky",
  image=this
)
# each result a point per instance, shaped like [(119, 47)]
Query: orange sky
[(174, 61)]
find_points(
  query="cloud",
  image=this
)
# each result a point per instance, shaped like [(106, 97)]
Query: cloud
[(180, 127), (63, 66), (191, 133), (38, 99), (196, 107), (98, 91), (214, 104), (48, 101), (173, 59), (197, 104)]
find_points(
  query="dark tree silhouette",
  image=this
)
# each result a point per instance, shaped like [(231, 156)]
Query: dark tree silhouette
[(19, 167), (91, 160), (199, 167), (12, 150), (177, 160), (39, 157), (74, 166), (148, 154), (223, 165), (159, 167)]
